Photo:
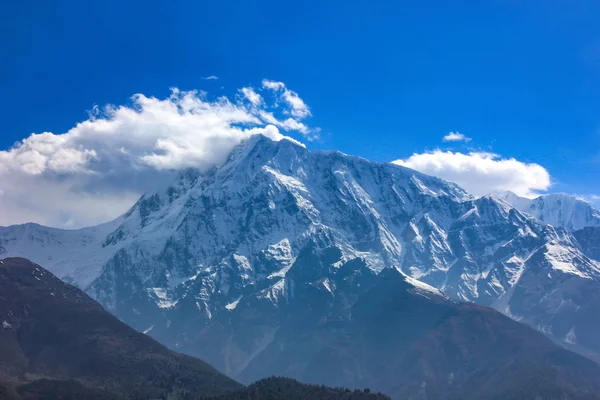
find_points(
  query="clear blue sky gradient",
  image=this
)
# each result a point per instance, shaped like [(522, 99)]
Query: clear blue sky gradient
[(384, 79)]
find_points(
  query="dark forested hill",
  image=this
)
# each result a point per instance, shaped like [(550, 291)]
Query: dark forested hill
[(290, 389), (55, 339)]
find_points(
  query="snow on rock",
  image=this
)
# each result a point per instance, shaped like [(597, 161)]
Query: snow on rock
[(233, 304), (561, 259), (162, 298), (570, 337), (423, 287)]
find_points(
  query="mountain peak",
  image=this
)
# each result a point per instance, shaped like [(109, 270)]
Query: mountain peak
[(557, 209), (262, 144)]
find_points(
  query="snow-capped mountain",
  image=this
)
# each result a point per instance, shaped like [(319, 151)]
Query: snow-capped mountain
[(556, 209), (563, 211), (239, 243)]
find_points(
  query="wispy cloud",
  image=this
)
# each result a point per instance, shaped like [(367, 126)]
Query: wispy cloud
[(249, 94), (210, 78), (455, 137), (299, 109)]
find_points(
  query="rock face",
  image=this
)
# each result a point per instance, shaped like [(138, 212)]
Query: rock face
[(56, 342), (589, 239), (277, 227)]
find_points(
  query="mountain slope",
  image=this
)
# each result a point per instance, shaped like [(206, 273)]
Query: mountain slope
[(589, 239), (466, 351), (80, 265), (54, 336)]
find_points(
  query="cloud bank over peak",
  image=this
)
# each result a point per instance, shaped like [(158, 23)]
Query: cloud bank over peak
[(97, 169), (481, 173)]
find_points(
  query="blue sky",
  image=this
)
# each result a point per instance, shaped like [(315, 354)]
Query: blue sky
[(383, 80)]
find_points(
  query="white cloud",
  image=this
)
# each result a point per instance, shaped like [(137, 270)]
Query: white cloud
[(273, 85), (455, 137), (98, 168), (288, 124), (481, 173), (210, 78), (299, 109), (254, 98)]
